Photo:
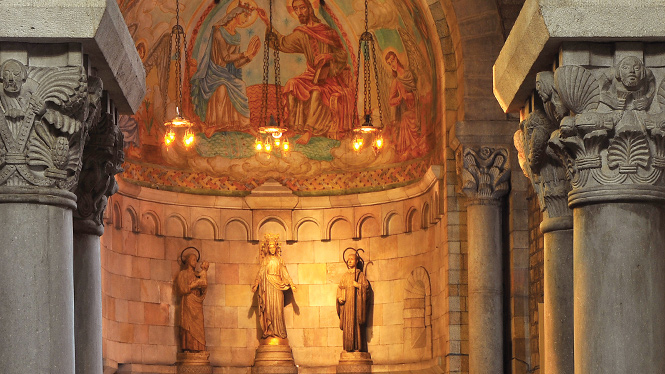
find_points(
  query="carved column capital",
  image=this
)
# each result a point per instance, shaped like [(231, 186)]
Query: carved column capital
[(485, 174), (542, 166), (610, 137), (45, 113), (102, 160)]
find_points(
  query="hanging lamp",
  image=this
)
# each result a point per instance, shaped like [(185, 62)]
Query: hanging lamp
[(272, 131), (179, 121), (367, 132)]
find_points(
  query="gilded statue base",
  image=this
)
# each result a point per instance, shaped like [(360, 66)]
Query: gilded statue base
[(355, 362), (274, 356), (193, 363)]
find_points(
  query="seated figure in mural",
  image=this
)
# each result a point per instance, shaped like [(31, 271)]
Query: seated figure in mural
[(319, 102), (271, 282), (352, 304), (192, 287), (219, 94), (403, 100)]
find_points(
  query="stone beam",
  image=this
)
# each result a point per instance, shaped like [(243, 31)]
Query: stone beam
[(100, 28), (543, 25)]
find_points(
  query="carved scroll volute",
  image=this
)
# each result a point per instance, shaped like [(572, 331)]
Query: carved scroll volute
[(485, 174), (610, 136)]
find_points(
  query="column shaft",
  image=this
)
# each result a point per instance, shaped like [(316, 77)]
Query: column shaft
[(88, 304), (37, 308), (619, 273), (485, 288), (558, 298)]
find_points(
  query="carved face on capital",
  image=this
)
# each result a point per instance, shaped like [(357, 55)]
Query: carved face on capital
[(351, 261), (13, 76), (631, 72)]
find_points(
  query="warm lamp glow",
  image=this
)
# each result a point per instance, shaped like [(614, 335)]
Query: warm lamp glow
[(285, 146), (277, 142), (268, 146), (169, 137), (357, 143), (188, 139), (258, 145), (378, 143)]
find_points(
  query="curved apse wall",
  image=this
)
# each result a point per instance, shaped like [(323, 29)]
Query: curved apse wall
[(400, 231)]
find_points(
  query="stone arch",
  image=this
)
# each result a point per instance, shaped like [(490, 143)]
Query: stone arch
[(410, 219), (178, 219), (387, 219), (237, 221), (149, 220), (425, 216), (212, 224), (133, 219), (331, 223), (295, 235), (418, 314), (277, 223), (117, 216), (107, 217), (358, 231)]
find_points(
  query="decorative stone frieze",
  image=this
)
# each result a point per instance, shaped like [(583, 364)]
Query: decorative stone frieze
[(539, 162), (612, 138), (102, 160), (46, 113), (485, 174)]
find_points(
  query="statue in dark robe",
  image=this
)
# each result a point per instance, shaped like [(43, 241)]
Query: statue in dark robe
[(192, 286), (352, 305)]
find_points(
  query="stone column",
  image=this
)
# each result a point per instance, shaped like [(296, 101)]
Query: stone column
[(44, 120), (613, 144), (49, 100), (102, 159), (485, 178), (548, 177)]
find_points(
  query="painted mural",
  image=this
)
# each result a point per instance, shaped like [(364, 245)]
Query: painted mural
[(318, 63)]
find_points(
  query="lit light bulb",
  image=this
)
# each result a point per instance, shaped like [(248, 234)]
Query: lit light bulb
[(378, 142), (357, 143), (268, 146), (188, 139), (169, 137), (258, 145), (277, 142), (286, 146)]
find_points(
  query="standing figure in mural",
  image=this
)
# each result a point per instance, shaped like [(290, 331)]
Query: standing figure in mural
[(192, 286), (271, 282), (403, 100), (352, 303), (219, 94), (319, 102)]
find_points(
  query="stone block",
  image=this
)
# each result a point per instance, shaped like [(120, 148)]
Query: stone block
[(135, 312), (233, 337), (248, 318), (238, 295), (227, 273), (226, 317), (156, 314), (300, 252), (315, 337), (151, 246), (328, 317), (311, 273), (241, 252), (216, 295), (308, 317), (215, 251), (141, 334), (326, 252), (165, 335), (140, 267), (247, 273), (392, 334), (393, 313), (162, 270), (322, 295)]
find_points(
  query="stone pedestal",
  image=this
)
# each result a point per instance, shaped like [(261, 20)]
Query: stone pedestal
[(355, 362), (485, 181), (274, 356), (193, 363)]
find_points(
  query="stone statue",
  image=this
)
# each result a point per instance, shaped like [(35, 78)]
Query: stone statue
[(271, 282), (352, 303), (192, 286)]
